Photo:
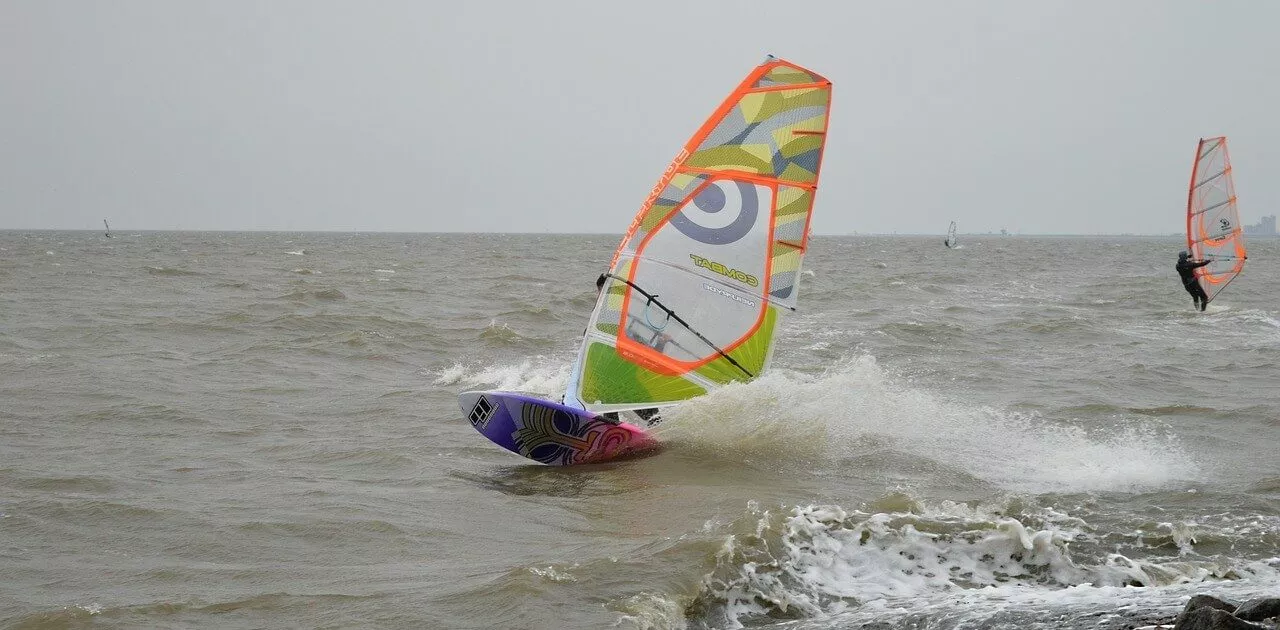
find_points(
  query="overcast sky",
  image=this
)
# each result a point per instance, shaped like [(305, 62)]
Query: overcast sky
[(1036, 116)]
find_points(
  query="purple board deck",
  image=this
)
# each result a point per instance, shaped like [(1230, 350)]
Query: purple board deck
[(549, 432)]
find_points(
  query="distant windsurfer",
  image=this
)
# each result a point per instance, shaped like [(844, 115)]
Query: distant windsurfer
[(1187, 271)]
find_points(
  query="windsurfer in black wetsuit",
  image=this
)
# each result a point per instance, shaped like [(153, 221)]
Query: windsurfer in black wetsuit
[(1187, 271)]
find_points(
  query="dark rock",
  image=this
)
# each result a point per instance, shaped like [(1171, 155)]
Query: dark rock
[(1207, 601), (1259, 609), (1207, 618)]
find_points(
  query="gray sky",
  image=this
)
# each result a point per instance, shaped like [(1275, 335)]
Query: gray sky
[(1038, 116)]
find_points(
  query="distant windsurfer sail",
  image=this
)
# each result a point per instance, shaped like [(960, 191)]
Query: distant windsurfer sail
[(1214, 233), (696, 289), (951, 241), (108, 226)]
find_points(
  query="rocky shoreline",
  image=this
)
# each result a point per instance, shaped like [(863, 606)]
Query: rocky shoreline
[(1205, 612)]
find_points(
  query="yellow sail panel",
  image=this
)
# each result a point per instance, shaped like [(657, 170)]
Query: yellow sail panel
[(1214, 231), (777, 134), (790, 241)]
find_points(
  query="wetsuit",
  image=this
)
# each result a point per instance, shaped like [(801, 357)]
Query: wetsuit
[(1187, 270), (650, 416)]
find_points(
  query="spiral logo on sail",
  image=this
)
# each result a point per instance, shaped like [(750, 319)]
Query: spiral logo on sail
[(702, 221)]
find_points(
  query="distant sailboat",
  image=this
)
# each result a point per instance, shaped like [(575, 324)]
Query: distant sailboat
[(950, 241), (108, 226)]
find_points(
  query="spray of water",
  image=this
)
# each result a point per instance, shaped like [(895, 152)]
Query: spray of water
[(793, 415)]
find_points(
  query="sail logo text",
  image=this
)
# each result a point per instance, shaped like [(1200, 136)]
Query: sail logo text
[(736, 298), (712, 265)]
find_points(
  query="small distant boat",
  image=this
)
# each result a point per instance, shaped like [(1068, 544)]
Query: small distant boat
[(1214, 231), (951, 241), (108, 226)]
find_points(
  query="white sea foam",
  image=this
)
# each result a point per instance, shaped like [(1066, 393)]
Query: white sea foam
[(451, 375), (1220, 328), (540, 375), (947, 560), (650, 611), (1255, 327), (795, 415), (552, 573), (1260, 318)]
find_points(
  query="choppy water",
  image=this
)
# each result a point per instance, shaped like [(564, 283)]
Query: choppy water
[(259, 430)]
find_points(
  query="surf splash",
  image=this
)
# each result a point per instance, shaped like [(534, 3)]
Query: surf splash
[(857, 408), (545, 376), (948, 564)]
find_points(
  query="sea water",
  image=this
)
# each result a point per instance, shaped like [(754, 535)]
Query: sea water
[(246, 430)]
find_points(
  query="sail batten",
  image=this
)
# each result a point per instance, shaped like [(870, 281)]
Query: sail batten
[(745, 175), (1214, 206), (718, 281), (717, 246), (1214, 231), (780, 88), (1212, 177)]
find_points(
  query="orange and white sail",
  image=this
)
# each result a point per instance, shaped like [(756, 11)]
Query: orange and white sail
[(1214, 231), (696, 287)]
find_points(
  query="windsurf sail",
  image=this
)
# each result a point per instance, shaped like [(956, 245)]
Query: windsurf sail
[(951, 235), (108, 226), (1214, 231), (696, 288)]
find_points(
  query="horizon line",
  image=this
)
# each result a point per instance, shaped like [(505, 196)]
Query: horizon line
[(618, 234)]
